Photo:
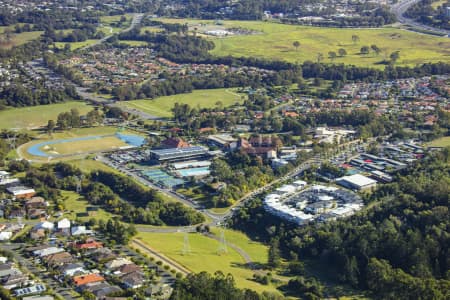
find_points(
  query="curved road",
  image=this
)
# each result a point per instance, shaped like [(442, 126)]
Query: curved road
[(402, 6)]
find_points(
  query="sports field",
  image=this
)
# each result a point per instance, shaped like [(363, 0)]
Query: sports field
[(275, 41), (441, 142), (99, 144), (73, 142), (204, 98), (204, 256), (36, 116)]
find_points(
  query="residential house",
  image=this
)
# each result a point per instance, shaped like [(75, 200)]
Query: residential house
[(5, 178), (63, 225), (35, 202), (37, 234), (128, 268), (21, 192), (100, 289), (5, 235), (34, 289), (45, 225), (72, 269), (89, 244), (133, 280), (117, 263), (80, 230), (103, 255), (85, 279), (58, 259)]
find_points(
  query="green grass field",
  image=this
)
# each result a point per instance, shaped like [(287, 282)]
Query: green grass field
[(441, 142), (134, 43), (204, 98), (438, 3), (36, 116), (275, 41), (151, 29), (76, 45), (97, 145), (204, 256), (75, 204), (75, 147), (21, 38)]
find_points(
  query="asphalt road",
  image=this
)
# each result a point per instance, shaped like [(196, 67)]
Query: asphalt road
[(137, 18), (402, 6)]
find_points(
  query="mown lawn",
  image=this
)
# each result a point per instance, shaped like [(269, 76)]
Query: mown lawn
[(204, 256), (441, 142), (275, 41), (36, 116), (162, 106), (76, 147)]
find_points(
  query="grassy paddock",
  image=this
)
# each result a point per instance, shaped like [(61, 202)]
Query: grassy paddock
[(20, 38), (440, 142), (36, 116), (75, 45), (203, 256), (275, 41), (162, 106), (75, 204), (134, 43)]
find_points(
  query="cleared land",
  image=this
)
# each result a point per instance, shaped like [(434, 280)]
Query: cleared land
[(204, 98), (441, 142), (75, 206), (19, 38), (134, 43), (203, 256), (76, 45), (36, 116), (275, 41)]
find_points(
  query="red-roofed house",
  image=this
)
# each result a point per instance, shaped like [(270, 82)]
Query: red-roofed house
[(85, 279)]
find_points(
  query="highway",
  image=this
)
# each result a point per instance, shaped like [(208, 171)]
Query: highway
[(402, 6), (137, 18)]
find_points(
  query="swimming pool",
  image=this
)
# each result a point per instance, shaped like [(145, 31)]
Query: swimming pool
[(132, 140), (194, 172)]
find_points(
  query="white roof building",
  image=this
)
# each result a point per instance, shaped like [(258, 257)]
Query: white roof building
[(117, 263), (20, 190), (5, 235), (64, 224), (47, 251), (44, 225), (79, 230), (356, 182)]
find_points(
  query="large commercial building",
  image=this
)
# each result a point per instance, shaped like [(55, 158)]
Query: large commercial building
[(177, 154), (356, 182), (302, 205)]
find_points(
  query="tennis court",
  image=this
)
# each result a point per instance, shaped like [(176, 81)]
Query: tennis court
[(160, 177)]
